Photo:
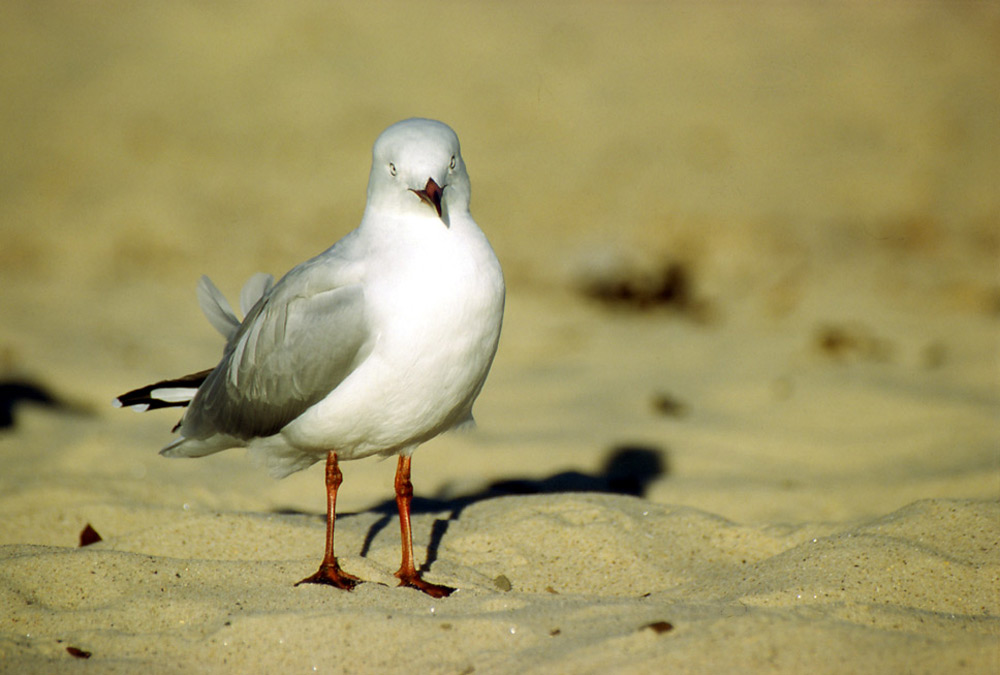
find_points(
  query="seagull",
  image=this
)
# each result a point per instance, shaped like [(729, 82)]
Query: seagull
[(373, 347)]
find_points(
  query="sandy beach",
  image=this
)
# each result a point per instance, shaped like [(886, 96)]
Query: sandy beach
[(745, 414)]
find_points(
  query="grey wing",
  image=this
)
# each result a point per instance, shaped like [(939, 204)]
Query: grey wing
[(254, 289), (217, 309), (294, 347)]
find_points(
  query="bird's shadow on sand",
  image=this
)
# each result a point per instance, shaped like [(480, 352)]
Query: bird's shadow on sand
[(628, 470)]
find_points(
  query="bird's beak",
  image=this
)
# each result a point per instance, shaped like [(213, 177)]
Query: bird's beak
[(431, 194)]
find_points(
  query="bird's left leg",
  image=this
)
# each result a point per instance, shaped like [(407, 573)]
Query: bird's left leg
[(407, 574)]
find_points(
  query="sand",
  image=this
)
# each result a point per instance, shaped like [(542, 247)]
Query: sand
[(744, 417)]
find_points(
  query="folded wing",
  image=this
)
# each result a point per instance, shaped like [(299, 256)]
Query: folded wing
[(297, 344)]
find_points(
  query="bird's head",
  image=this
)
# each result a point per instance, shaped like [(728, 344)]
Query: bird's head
[(417, 170)]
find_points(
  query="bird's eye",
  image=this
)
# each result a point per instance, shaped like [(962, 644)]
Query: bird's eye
[(452, 165), (392, 169)]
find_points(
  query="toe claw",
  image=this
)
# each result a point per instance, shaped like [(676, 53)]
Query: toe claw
[(332, 575), (433, 590)]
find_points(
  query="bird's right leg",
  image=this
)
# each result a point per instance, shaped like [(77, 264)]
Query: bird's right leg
[(329, 572)]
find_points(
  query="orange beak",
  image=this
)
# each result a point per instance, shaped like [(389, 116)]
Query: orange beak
[(431, 194)]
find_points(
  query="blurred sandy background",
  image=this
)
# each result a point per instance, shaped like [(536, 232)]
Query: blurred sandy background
[(751, 250)]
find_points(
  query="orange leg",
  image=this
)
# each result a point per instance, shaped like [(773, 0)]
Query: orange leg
[(407, 574), (329, 572)]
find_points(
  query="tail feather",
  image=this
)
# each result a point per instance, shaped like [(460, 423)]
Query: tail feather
[(193, 447), (165, 394)]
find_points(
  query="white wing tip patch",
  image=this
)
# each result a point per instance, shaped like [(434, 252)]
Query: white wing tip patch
[(137, 407), (173, 394)]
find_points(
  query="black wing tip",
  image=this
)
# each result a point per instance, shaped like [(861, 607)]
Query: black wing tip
[(142, 399)]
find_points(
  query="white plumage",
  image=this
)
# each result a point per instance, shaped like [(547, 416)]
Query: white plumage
[(376, 345)]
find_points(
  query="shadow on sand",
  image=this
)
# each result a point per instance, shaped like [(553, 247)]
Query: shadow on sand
[(628, 470)]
